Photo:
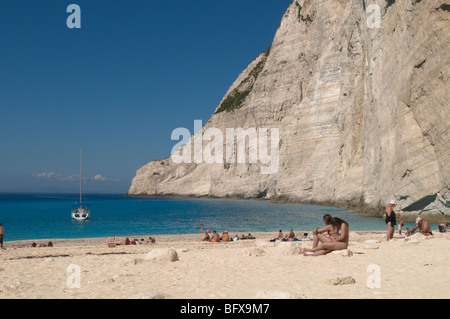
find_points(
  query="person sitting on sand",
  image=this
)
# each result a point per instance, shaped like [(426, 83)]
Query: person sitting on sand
[(250, 236), (225, 236), (126, 241), (423, 226), (442, 227), (318, 233), (152, 240), (280, 235), (206, 237), (339, 243), (291, 235), (215, 238)]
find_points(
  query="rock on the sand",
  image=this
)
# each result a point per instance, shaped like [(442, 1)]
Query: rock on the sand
[(255, 252), (290, 249), (15, 285), (342, 281), (162, 254), (343, 252)]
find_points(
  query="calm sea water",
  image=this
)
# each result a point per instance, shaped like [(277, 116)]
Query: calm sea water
[(43, 216)]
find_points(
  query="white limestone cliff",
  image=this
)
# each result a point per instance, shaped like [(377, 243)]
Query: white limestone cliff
[(362, 113)]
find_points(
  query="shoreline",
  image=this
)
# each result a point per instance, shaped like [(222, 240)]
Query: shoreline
[(163, 238)]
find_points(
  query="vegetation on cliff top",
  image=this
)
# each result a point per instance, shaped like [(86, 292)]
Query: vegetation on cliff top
[(300, 16), (236, 98)]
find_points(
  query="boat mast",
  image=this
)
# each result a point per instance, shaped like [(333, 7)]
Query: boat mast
[(81, 177)]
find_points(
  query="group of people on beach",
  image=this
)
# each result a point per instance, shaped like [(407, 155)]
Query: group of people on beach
[(215, 237), (127, 241), (335, 234), (288, 237), (422, 225), (49, 244), (336, 239)]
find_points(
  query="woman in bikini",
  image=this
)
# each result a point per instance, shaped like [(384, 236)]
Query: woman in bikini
[(337, 243), (332, 232)]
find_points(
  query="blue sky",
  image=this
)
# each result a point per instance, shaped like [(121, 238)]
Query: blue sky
[(119, 86)]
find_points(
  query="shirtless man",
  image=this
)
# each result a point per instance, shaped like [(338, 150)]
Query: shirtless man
[(338, 243), (215, 237), (291, 234), (2, 231), (225, 236), (423, 226), (280, 235)]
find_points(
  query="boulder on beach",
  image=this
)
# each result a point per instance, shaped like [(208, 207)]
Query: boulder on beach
[(162, 254), (290, 248), (255, 252), (342, 281)]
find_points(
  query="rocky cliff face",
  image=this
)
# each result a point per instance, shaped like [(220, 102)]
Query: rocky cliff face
[(362, 112)]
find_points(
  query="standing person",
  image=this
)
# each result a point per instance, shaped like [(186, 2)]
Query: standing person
[(339, 243), (2, 231), (390, 220), (201, 226), (400, 226)]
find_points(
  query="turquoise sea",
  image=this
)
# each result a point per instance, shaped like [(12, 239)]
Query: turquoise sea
[(45, 216)]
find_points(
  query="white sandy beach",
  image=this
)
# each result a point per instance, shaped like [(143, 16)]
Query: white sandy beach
[(415, 268)]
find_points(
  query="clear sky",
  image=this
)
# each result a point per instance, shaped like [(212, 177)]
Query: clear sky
[(118, 86)]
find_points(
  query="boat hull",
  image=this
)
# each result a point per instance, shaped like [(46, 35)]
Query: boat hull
[(81, 214)]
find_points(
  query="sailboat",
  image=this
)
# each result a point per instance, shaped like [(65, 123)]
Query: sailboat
[(81, 213)]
